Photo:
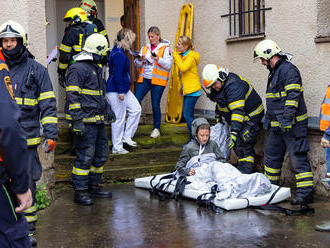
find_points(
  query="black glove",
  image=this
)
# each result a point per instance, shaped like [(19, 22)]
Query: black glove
[(61, 77), (232, 140), (286, 126), (78, 128), (111, 117)]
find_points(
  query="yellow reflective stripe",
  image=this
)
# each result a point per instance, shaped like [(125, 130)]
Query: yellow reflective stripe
[(103, 32), (249, 91), (96, 170), (92, 92), (94, 118), (77, 48), (79, 172), (236, 104), (292, 87), (65, 48), (74, 106), (291, 103), (237, 117), (276, 95), (30, 218), (304, 184), (304, 175), (225, 109), (33, 141), (272, 170), (48, 120), (68, 117), (257, 111), (26, 101), (274, 124), (272, 178), (62, 66), (31, 209), (73, 88), (302, 117), (249, 159), (46, 95)]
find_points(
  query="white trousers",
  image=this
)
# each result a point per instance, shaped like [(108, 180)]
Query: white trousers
[(118, 128)]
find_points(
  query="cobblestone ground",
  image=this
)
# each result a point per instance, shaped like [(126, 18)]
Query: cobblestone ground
[(133, 219)]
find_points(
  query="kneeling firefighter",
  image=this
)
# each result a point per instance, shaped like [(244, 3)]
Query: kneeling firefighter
[(34, 95), (86, 110), (286, 119), (241, 106)]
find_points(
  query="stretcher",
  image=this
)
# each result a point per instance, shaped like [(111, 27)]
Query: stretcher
[(282, 194), (174, 97)]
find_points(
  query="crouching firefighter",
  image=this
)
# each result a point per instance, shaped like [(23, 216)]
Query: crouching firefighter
[(15, 195), (86, 109), (33, 92), (241, 106), (286, 120)]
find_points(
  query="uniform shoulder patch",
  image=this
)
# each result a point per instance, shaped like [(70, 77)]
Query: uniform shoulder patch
[(3, 66), (9, 86)]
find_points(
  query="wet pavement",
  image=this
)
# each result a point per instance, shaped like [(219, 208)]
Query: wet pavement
[(133, 219)]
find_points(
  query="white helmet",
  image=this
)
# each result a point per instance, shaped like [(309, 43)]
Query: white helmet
[(96, 43), (89, 6), (11, 29), (266, 49), (212, 73)]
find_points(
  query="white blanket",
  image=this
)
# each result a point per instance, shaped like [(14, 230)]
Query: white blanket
[(231, 182)]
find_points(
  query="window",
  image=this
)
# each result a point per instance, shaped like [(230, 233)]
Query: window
[(246, 17)]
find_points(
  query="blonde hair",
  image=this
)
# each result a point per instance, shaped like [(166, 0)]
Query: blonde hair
[(125, 38), (186, 41), (155, 30)]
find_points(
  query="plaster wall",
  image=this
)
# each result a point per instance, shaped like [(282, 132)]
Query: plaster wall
[(114, 9)]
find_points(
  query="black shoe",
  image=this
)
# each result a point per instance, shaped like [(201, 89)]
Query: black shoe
[(33, 240), (98, 192), (301, 200), (82, 197), (246, 169)]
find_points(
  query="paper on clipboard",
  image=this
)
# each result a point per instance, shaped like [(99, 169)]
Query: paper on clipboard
[(52, 55)]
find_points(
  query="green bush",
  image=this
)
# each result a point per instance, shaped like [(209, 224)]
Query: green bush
[(42, 198)]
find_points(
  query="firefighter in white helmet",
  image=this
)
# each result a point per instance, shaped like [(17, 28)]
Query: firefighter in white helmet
[(242, 108), (286, 119), (86, 111)]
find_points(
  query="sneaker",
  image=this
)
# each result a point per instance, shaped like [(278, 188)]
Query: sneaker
[(129, 142), (120, 151), (155, 133)]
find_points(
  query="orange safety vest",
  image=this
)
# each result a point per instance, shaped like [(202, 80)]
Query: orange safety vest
[(160, 75), (325, 111)]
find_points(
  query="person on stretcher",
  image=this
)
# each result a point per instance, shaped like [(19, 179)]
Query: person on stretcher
[(204, 163)]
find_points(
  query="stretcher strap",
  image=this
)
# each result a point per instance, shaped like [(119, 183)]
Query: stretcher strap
[(207, 203)]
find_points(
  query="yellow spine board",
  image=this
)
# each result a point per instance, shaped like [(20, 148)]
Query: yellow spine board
[(174, 98)]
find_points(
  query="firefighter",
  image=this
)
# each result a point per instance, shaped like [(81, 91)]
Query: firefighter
[(75, 34), (241, 106), (86, 109), (15, 195), (286, 120), (34, 94), (91, 10)]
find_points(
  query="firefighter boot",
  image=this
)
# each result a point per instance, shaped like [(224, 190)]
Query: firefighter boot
[(302, 198), (82, 197), (97, 192), (32, 231), (246, 169)]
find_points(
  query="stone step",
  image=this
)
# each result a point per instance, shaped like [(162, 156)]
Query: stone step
[(122, 173)]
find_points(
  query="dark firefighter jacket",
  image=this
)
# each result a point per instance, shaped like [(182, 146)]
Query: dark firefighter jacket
[(34, 94), (72, 43), (100, 27), (237, 101), (13, 149), (85, 93), (284, 96)]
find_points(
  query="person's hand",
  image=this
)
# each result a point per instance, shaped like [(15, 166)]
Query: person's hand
[(191, 172), (121, 97), (24, 201), (232, 140), (247, 137), (325, 143), (61, 79), (286, 126), (49, 145), (78, 128)]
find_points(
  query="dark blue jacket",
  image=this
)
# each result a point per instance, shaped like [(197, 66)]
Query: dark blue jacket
[(119, 68), (237, 101), (13, 147), (85, 96), (34, 94), (284, 96)]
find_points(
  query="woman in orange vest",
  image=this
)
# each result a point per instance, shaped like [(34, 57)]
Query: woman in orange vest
[(325, 126), (155, 62), (187, 60)]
